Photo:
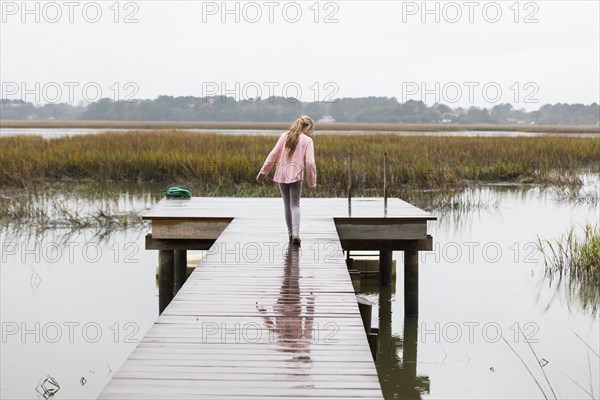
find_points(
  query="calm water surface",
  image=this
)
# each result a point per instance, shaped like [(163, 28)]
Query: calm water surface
[(73, 307), (61, 132), (481, 291)]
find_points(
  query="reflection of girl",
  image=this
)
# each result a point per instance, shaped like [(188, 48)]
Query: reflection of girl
[(290, 153), (290, 320)]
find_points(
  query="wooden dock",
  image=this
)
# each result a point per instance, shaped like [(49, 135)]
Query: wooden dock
[(258, 318)]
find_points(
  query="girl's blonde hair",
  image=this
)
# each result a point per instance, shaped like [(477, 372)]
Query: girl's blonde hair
[(303, 122)]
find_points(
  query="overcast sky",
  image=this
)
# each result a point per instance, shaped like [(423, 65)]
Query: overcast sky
[(476, 53)]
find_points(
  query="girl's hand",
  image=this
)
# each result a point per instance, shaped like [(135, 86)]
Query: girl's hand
[(259, 177)]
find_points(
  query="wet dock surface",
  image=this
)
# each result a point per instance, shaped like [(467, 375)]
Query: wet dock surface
[(259, 318)]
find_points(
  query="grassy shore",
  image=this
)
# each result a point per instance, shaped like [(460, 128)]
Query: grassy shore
[(284, 126), (574, 260), (223, 165)]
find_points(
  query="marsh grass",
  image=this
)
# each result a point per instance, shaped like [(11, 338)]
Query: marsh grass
[(449, 201), (573, 263), (576, 194), (43, 211), (430, 172), (117, 206), (220, 165)]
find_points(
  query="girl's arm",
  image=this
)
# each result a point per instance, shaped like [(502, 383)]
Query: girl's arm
[(272, 157), (311, 166)]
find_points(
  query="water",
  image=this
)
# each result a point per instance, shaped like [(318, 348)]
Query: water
[(76, 310), (62, 132), (484, 282), (74, 306)]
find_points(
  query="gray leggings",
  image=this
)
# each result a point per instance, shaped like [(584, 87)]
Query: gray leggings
[(290, 192)]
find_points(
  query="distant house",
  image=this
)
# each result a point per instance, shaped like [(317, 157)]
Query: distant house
[(326, 119), (515, 121)]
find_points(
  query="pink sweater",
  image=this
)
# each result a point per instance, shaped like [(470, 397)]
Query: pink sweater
[(291, 169)]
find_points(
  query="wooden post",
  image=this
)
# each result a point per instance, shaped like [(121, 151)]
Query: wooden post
[(386, 345), (350, 178), (411, 283), (180, 270), (366, 311), (409, 347), (385, 178), (165, 278), (349, 261), (385, 267), (373, 339)]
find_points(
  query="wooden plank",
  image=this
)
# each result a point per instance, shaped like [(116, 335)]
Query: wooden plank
[(378, 231), (394, 244), (188, 228), (178, 244), (258, 208)]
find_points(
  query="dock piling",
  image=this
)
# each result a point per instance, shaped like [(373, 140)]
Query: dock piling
[(366, 312), (180, 270), (166, 262), (385, 267), (411, 283)]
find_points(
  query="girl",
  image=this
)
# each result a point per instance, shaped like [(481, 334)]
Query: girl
[(291, 151)]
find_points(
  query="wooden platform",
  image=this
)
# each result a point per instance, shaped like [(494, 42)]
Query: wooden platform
[(259, 319)]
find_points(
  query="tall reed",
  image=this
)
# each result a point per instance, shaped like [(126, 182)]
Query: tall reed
[(574, 262)]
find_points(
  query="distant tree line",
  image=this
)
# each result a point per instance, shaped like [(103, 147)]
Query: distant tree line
[(279, 109)]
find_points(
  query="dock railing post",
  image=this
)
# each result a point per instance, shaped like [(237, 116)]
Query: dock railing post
[(350, 178), (385, 194)]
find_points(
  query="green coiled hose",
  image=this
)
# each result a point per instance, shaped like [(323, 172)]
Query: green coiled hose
[(177, 193)]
